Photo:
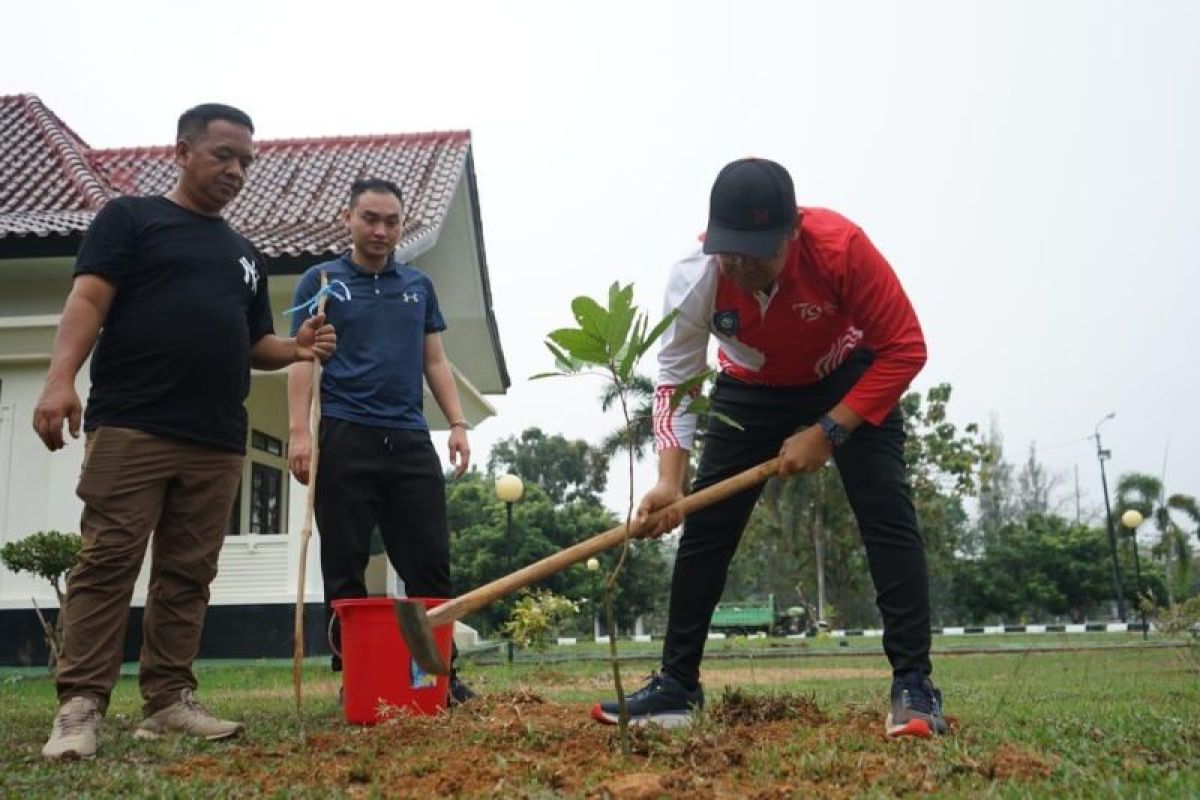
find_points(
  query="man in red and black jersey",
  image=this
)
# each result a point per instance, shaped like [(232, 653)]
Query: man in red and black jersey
[(817, 342)]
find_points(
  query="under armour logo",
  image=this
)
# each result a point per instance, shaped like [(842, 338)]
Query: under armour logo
[(760, 216), (249, 273), (410, 297)]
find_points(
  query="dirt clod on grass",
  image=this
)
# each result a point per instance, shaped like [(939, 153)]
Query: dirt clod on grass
[(739, 707), (1011, 762)]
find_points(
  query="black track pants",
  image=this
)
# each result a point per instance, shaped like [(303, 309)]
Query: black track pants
[(388, 478), (871, 464)]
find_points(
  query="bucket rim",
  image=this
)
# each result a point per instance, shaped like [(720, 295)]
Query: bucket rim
[(359, 602)]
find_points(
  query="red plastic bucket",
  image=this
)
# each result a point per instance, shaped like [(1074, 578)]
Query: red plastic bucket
[(377, 669)]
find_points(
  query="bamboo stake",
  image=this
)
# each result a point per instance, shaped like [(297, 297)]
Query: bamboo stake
[(314, 425)]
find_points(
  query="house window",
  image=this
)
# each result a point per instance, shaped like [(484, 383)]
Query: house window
[(266, 498), (266, 443), (261, 505)]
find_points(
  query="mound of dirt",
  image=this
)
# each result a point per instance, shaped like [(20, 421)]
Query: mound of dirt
[(517, 744)]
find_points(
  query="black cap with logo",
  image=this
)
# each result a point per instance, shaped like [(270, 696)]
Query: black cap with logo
[(751, 209)]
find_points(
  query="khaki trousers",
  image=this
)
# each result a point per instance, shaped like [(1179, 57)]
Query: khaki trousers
[(134, 484)]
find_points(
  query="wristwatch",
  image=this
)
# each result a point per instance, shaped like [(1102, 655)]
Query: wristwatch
[(835, 433)]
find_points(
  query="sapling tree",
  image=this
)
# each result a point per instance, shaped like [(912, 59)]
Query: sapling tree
[(536, 615), (609, 343)]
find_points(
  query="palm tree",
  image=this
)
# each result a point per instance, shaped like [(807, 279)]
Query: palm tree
[(1145, 493), (638, 438)]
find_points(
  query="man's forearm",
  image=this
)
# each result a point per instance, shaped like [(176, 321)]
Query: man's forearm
[(445, 391), (299, 391), (274, 352), (77, 331), (672, 466)]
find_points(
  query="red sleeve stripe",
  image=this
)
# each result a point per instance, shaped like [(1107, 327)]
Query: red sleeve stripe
[(664, 419)]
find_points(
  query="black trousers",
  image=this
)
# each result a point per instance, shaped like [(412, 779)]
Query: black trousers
[(369, 477), (873, 472)]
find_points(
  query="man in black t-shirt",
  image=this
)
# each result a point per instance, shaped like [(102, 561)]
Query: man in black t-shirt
[(175, 303)]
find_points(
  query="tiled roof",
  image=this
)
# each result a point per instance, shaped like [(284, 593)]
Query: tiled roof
[(43, 164), (52, 183)]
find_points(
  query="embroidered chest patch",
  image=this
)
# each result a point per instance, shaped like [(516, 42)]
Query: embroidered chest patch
[(726, 323)]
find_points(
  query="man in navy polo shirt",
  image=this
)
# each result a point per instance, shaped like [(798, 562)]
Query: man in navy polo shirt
[(378, 465)]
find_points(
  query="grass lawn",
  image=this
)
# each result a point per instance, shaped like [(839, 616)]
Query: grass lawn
[(1100, 721)]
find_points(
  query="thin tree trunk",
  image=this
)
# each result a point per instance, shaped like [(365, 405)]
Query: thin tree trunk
[(818, 536), (819, 547), (52, 634), (1168, 565)]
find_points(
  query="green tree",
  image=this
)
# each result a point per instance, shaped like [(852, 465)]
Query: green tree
[(49, 555), (947, 465), (482, 550), (1036, 487), (997, 495), (944, 465), (537, 614), (638, 436), (565, 469), (803, 534), (1042, 566), (815, 547), (643, 584), (1177, 519)]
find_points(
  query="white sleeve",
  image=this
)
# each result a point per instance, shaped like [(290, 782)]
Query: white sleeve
[(691, 289)]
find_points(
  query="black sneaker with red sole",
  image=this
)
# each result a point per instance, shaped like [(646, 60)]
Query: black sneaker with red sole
[(662, 701), (916, 708)]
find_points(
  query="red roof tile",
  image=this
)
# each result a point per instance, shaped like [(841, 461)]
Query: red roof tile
[(51, 182)]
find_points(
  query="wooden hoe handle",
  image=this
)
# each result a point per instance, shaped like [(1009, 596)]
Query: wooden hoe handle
[(476, 599)]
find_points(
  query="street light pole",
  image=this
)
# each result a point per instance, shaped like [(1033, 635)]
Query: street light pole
[(1131, 519), (1103, 454)]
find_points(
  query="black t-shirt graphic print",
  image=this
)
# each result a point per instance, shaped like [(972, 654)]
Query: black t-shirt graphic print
[(173, 356)]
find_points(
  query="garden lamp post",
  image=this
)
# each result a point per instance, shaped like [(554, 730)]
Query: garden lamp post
[(1103, 454), (1131, 519), (509, 489)]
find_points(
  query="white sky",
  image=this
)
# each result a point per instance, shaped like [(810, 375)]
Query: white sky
[(1023, 165)]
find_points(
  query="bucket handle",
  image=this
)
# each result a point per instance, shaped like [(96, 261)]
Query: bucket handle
[(329, 635)]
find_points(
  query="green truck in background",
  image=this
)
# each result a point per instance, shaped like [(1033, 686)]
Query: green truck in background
[(754, 617)]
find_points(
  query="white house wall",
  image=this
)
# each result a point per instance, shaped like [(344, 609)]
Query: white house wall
[(453, 265), (37, 487), (34, 286)]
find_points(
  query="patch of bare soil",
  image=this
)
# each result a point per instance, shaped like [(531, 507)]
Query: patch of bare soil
[(1011, 762), (517, 744)]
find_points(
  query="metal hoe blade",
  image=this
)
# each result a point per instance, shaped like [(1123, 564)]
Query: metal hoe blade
[(414, 627)]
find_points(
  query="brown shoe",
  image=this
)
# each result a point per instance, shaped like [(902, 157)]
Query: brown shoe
[(187, 716), (74, 733)]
